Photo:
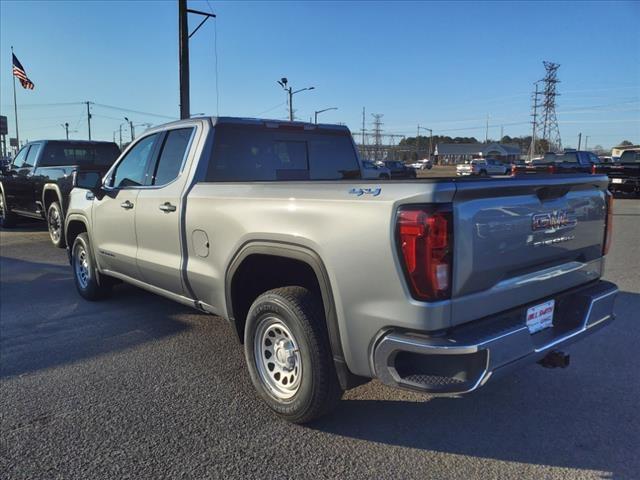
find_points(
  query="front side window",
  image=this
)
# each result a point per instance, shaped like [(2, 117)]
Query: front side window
[(21, 158), (172, 155), (132, 170), (32, 156)]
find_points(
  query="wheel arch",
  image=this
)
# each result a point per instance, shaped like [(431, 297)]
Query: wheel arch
[(51, 192), (309, 258), (74, 225)]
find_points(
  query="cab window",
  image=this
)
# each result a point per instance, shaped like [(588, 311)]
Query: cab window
[(132, 170), (172, 156), (32, 156), (21, 158)]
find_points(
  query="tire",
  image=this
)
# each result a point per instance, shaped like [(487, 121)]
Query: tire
[(89, 283), (55, 224), (7, 218), (287, 326)]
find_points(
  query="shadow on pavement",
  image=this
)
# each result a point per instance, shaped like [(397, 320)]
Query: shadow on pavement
[(45, 323), (517, 418)]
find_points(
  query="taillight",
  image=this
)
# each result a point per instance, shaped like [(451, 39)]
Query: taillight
[(551, 168), (594, 170), (608, 223), (425, 243), (513, 170)]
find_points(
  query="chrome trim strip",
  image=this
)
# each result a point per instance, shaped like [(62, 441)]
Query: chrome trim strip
[(540, 276)]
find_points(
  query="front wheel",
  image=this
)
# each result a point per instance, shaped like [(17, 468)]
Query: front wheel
[(89, 283), (288, 354), (55, 222)]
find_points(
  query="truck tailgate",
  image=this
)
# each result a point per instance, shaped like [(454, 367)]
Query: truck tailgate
[(519, 241)]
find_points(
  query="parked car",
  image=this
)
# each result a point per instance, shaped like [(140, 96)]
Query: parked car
[(483, 166), (624, 174), (399, 169), (422, 165), (437, 286), (38, 181), (372, 170), (570, 161)]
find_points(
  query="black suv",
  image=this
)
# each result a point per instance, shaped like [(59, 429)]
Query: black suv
[(399, 169), (38, 181)]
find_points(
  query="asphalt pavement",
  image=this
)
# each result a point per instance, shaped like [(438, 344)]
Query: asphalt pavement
[(139, 387)]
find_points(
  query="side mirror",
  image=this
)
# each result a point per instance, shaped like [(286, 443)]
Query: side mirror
[(88, 180)]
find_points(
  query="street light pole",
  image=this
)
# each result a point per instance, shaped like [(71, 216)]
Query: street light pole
[(65, 125), (290, 93), (321, 111)]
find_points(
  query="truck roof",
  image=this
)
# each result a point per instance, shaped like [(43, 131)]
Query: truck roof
[(262, 122)]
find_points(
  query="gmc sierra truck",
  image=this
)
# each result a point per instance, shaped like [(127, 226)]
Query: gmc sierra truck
[(36, 184), (436, 285)]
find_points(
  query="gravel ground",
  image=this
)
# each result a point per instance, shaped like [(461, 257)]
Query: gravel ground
[(139, 387)]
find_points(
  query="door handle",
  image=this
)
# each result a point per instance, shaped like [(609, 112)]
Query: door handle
[(127, 205), (167, 207)]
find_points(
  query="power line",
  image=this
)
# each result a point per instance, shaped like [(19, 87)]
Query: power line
[(121, 109)]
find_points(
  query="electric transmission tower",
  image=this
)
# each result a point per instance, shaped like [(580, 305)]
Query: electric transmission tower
[(547, 129), (377, 135)]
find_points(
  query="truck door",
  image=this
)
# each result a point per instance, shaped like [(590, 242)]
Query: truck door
[(114, 210), (158, 213), (22, 180), (11, 180)]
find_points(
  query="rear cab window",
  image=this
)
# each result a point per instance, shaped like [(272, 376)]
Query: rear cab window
[(172, 155), (248, 153), (58, 154)]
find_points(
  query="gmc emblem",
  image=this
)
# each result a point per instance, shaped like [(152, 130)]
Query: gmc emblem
[(552, 221)]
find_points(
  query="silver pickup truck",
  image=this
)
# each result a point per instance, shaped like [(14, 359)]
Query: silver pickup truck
[(435, 285)]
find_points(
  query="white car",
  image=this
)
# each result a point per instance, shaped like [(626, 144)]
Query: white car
[(481, 166), (372, 170), (422, 164)]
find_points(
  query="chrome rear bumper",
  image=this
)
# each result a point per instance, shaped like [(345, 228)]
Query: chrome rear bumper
[(466, 357)]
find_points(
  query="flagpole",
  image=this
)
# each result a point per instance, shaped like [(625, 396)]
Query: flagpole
[(15, 105)]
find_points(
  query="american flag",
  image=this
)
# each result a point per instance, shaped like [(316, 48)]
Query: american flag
[(18, 71)]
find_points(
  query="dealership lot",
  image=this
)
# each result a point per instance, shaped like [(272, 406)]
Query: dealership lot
[(137, 386)]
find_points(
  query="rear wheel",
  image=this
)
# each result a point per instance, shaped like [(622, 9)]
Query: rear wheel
[(288, 354), (55, 223), (7, 219), (89, 283)]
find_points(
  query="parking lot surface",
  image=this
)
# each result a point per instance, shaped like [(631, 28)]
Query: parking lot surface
[(139, 387)]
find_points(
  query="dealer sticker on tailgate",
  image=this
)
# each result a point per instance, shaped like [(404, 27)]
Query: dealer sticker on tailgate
[(540, 316)]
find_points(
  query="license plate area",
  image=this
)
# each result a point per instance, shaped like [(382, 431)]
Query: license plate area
[(540, 317), (616, 180)]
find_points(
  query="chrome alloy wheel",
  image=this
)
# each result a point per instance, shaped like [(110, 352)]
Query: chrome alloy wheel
[(55, 224), (278, 358), (81, 265)]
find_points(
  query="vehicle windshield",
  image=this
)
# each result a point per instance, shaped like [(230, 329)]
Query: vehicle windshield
[(79, 153)]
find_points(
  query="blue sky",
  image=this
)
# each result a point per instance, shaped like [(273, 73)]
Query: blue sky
[(443, 65)]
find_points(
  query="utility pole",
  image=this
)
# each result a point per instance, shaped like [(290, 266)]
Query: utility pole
[(131, 128), (120, 144), (501, 133), (363, 128), (418, 144), (486, 132), (183, 40), (89, 119), (65, 125), (377, 134), (430, 138), (586, 140), (579, 140), (183, 55)]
